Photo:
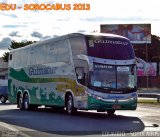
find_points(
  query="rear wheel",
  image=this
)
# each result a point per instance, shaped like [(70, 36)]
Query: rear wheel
[(26, 102), (20, 102), (70, 105), (3, 99), (110, 112)]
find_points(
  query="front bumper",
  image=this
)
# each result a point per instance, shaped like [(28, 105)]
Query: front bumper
[(100, 104)]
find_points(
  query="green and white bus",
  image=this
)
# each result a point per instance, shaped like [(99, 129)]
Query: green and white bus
[(75, 71)]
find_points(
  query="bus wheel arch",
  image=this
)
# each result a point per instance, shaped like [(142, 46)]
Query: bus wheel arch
[(69, 103)]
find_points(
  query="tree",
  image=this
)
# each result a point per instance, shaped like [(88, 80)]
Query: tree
[(15, 45), (153, 50)]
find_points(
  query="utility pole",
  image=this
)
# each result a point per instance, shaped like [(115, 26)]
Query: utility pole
[(147, 59)]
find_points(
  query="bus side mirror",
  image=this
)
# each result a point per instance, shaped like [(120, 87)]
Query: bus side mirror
[(80, 75)]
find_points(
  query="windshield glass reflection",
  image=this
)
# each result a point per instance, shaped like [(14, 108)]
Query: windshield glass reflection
[(112, 77)]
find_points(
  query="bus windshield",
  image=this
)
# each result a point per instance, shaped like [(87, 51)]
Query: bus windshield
[(112, 77), (109, 48)]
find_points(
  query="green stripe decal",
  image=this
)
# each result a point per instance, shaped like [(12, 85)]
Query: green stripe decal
[(23, 77)]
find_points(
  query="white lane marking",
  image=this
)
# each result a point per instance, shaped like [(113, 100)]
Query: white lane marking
[(7, 126), (11, 128)]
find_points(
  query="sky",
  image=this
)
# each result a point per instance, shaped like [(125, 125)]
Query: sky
[(20, 25)]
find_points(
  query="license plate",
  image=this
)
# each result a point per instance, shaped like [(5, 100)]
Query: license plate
[(116, 106)]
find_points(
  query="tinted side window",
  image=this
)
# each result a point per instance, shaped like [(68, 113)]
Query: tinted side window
[(31, 56), (41, 54), (24, 57), (3, 89), (63, 52), (10, 57), (11, 61), (17, 59), (51, 55), (78, 46)]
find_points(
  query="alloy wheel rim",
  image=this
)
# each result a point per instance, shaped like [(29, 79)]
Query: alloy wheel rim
[(20, 102), (69, 105), (26, 103), (2, 99)]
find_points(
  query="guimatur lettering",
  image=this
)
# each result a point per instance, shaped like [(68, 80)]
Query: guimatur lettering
[(41, 71)]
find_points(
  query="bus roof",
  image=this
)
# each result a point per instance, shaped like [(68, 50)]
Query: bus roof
[(70, 36), (105, 34)]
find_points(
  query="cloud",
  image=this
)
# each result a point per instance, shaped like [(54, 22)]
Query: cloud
[(5, 43), (66, 19), (46, 37), (9, 15), (62, 22), (102, 19), (81, 31), (13, 26), (14, 34), (37, 35), (54, 36)]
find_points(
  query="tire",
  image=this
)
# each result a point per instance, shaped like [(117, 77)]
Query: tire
[(20, 102), (26, 102), (3, 99), (70, 106), (110, 112)]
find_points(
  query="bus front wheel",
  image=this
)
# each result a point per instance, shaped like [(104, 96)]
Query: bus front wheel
[(70, 105)]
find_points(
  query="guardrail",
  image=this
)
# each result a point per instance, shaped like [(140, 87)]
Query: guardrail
[(150, 95)]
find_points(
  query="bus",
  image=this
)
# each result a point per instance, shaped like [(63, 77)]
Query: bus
[(75, 72)]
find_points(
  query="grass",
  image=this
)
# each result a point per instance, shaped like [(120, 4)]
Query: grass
[(148, 101)]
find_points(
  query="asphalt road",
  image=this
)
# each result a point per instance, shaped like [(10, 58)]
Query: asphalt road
[(47, 122)]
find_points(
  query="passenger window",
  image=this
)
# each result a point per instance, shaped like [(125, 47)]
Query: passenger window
[(63, 52), (24, 56), (41, 54), (78, 46), (10, 57), (17, 59), (51, 56), (31, 56)]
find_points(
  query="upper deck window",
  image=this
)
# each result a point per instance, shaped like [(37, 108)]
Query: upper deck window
[(78, 46), (109, 48)]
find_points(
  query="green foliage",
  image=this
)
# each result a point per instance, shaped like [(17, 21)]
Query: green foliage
[(15, 45), (5, 56), (153, 50)]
